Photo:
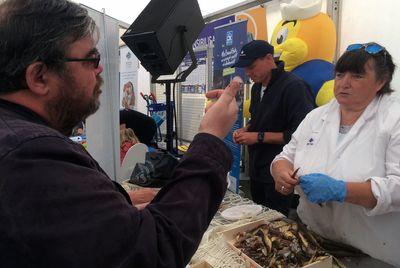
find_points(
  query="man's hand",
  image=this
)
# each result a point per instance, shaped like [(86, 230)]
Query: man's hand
[(321, 188), (142, 205), (237, 132), (222, 114), (141, 196), (246, 138)]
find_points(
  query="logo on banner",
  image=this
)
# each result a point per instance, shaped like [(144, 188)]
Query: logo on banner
[(229, 38), (128, 55)]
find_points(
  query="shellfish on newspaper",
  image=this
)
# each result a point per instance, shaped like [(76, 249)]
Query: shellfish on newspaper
[(280, 243)]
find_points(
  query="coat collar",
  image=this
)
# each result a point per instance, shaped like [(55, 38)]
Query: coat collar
[(23, 111), (331, 118), (275, 73)]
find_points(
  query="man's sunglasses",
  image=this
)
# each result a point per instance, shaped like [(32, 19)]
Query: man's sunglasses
[(370, 48), (94, 60)]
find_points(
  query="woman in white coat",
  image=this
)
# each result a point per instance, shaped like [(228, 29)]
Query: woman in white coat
[(348, 152)]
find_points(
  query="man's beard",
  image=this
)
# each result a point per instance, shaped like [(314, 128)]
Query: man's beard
[(71, 106)]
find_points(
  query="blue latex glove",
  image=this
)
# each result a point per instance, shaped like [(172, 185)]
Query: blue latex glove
[(321, 188)]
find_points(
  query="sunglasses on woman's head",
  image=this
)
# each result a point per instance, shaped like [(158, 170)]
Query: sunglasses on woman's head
[(370, 48)]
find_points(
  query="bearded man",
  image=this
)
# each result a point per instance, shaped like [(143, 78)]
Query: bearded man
[(58, 208)]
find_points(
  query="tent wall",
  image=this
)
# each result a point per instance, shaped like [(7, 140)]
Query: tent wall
[(364, 21), (102, 128), (357, 21)]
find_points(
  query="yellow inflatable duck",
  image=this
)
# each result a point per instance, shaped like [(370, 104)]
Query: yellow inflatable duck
[(305, 40)]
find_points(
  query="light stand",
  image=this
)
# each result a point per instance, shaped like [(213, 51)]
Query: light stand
[(181, 77)]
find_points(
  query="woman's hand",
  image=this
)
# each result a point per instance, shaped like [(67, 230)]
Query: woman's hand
[(282, 172), (321, 188)]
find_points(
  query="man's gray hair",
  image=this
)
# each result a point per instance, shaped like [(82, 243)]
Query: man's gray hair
[(38, 30)]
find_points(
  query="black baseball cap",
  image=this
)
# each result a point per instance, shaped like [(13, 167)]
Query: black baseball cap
[(252, 51)]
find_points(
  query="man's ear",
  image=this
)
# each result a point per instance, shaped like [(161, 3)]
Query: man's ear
[(36, 78)]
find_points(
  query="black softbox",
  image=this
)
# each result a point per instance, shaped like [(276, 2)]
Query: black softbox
[(156, 35)]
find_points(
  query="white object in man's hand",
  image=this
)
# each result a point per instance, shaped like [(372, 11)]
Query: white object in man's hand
[(238, 79), (222, 114)]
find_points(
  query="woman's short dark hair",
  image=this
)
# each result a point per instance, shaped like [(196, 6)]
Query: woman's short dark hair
[(355, 60), (38, 30)]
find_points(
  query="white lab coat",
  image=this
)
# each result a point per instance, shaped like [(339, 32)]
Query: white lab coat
[(369, 151)]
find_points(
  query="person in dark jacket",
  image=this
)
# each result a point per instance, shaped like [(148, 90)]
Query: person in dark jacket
[(279, 102), (58, 208)]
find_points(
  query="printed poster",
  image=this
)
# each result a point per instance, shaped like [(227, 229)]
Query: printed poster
[(129, 92), (229, 39)]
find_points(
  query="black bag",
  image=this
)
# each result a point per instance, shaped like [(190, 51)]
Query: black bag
[(156, 171)]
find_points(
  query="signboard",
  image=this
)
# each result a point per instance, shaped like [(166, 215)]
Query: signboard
[(229, 39), (256, 21), (196, 82), (193, 98), (206, 37)]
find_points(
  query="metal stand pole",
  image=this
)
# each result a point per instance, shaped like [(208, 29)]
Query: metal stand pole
[(181, 77), (169, 138)]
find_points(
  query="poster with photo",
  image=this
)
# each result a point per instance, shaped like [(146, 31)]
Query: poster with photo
[(128, 79)]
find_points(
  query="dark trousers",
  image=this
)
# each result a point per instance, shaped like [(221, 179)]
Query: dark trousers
[(265, 194)]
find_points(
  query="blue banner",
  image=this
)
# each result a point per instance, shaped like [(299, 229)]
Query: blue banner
[(229, 39), (206, 37)]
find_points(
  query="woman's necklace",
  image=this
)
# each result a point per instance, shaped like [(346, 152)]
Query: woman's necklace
[(349, 118), (344, 129)]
